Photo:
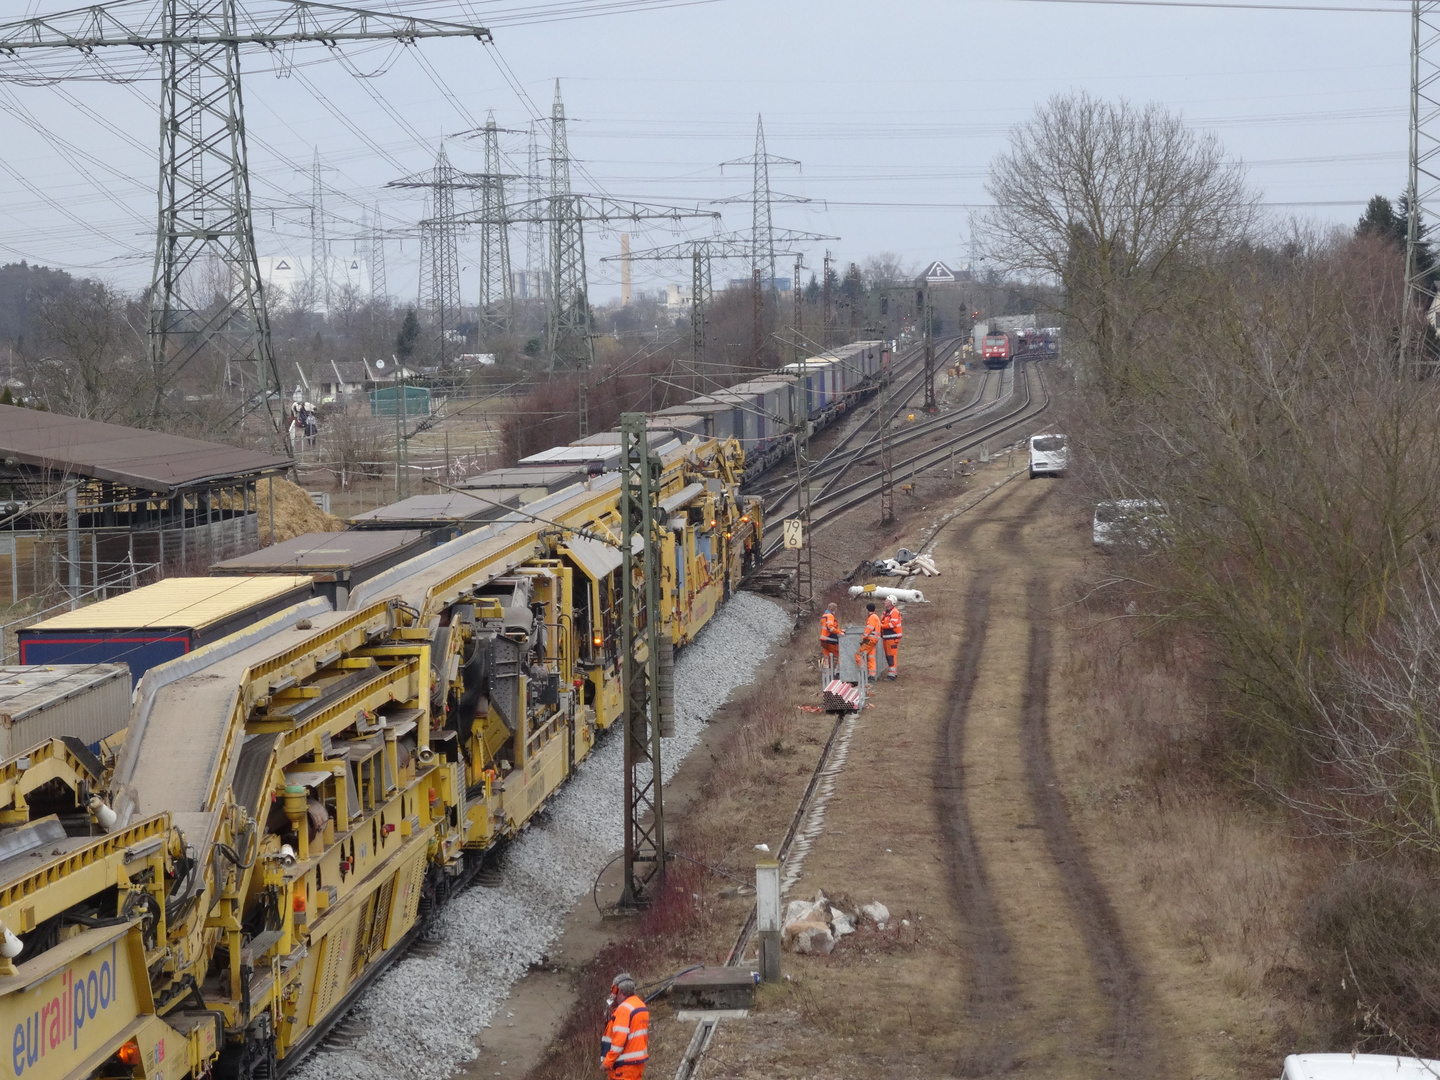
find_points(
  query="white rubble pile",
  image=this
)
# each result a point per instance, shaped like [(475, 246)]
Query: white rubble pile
[(907, 564), (421, 1018), (812, 927)]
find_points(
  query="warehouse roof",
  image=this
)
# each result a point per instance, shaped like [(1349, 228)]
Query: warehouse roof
[(150, 460)]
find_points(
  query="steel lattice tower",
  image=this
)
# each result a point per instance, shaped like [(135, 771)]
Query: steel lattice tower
[(762, 227), (1422, 194), (571, 345), (537, 273), (379, 287), (497, 301), (319, 277), (205, 219), (439, 294), (205, 204)]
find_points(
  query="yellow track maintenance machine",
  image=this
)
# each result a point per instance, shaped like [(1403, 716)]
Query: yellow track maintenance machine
[(286, 808)]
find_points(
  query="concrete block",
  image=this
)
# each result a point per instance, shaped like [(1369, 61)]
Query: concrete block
[(714, 988)]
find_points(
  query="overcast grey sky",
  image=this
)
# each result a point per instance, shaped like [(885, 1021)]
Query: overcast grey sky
[(895, 110)]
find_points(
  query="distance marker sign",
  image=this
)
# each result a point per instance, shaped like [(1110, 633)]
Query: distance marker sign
[(794, 533)]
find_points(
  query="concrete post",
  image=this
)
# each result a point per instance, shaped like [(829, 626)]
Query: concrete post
[(72, 544), (767, 918)]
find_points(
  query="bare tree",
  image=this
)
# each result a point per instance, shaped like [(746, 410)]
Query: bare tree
[(90, 360), (1109, 200), (886, 271)]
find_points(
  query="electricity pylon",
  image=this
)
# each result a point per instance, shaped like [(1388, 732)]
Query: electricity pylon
[(762, 198), (763, 237), (575, 210), (440, 249), (319, 249), (700, 253), (1422, 191), (537, 262), (379, 287), (205, 203), (570, 342), (497, 301)]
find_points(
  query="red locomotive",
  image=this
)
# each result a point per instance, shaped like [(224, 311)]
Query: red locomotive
[(997, 349)]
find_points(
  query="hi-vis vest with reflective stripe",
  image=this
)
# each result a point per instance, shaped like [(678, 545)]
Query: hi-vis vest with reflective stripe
[(890, 627), (627, 1037), (872, 629), (829, 629)]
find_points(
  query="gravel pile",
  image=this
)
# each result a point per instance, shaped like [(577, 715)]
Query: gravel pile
[(421, 1018)]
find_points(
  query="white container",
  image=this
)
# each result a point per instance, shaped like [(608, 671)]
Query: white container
[(44, 701)]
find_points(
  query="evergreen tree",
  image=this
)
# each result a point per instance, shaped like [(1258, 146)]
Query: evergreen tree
[(409, 336)]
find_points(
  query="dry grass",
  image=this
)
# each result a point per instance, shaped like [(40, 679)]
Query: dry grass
[(295, 512), (1222, 876), (755, 771)]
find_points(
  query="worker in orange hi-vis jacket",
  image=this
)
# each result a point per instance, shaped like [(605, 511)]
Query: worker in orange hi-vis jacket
[(869, 639), (830, 634), (626, 1043), (891, 632)]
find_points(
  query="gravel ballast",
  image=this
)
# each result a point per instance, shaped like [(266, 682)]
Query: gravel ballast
[(421, 1018)]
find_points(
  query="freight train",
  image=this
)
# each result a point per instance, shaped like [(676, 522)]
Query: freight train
[(317, 755)]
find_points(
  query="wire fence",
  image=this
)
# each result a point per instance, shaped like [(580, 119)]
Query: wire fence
[(127, 577)]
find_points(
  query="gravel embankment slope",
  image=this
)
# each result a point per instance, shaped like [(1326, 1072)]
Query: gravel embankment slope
[(421, 1018)]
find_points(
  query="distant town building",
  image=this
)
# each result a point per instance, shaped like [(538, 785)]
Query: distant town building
[(779, 284), (937, 273)]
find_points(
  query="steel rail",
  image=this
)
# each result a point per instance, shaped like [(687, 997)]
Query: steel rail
[(849, 497)]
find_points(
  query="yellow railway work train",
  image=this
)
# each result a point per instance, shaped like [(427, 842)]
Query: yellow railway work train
[(288, 805)]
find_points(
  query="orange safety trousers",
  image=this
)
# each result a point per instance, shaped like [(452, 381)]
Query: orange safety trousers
[(867, 650), (830, 650), (892, 649), (626, 1072)]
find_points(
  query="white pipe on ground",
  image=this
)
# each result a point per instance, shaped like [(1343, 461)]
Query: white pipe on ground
[(913, 596)]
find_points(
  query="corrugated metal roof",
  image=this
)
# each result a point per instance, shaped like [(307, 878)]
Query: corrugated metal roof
[(441, 506), (324, 551), (149, 460), (574, 455), (548, 476), (25, 689), (182, 602)]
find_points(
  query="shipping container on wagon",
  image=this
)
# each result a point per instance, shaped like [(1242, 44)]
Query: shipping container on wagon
[(773, 406), (442, 515), (522, 485), (161, 621), (337, 562), (720, 419), (86, 702)]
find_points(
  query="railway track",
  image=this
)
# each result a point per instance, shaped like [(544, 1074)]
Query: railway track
[(865, 420), (1026, 398), (705, 1029)]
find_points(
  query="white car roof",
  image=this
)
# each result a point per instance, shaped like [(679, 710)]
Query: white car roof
[(1358, 1067)]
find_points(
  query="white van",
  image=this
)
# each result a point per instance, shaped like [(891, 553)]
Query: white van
[(1140, 522), (1049, 455), (1358, 1067)]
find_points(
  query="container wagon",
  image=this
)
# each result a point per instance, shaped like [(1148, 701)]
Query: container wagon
[(160, 622)]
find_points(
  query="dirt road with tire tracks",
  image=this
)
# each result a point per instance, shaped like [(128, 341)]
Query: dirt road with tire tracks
[(1007, 956)]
